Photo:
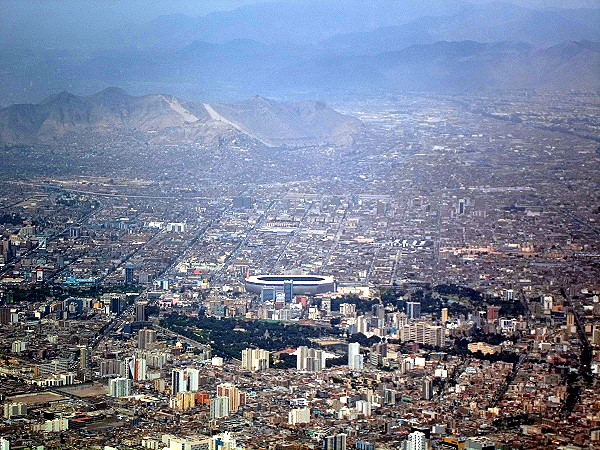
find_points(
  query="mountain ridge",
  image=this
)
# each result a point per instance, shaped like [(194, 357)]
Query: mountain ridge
[(305, 123)]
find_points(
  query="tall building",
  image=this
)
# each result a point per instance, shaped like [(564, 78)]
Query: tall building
[(128, 274), (5, 315), (493, 313), (109, 367), (235, 396), (193, 379), (146, 338), (378, 311), (219, 407), (288, 290), (185, 380), (4, 444), (335, 442), (178, 381), (416, 441), (141, 313), (355, 359), (309, 359), (267, 294), (116, 305), (12, 410), (299, 415), (84, 357), (423, 333), (427, 393), (444, 315), (413, 310), (119, 387), (134, 368), (255, 359)]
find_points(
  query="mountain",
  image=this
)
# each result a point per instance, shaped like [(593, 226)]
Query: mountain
[(270, 122), (284, 21), (277, 123), (453, 66), (494, 22)]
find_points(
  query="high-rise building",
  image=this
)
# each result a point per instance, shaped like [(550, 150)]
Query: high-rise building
[(288, 290), (109, 367), (378, 311), (355, 359), (4, 444), (119, 387), (185, 380), (184, 401), (116, 305), (219, 407), (74, 232), (128, 274), (141, 313), (423, 333), (146, 338), (493, 313), (5, 315), (310, 359), (255, 359), (427, 393), (12, 410), (134, 369), (335, 442), (84, 357), (416, 441), (267, 294), (178, 381), (193, 379), (235, 396), (299, 415), (413, 310), (444, 315)]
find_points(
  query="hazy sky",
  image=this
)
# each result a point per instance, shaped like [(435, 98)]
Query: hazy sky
[(56, 23), (108, 13)]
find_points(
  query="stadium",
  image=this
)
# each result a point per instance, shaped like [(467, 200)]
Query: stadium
[(301, 284)]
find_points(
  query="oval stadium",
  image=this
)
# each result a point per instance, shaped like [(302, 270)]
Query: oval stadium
[(301, 284)]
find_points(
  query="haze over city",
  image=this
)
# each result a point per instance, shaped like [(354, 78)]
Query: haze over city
[(299, 224)]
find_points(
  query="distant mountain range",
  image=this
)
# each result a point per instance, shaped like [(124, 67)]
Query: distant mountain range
[(270, 122), (454, 66), (316, 49)]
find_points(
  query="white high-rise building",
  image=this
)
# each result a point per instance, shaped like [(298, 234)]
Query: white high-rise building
[(119, 387), (185, 380), (362, 325), (355, 359), (4, 444), (413, 310), (255, 359), (416, 441), (363, 407), (178, 381), (193, 379), (219, 407), (299, 415), (310, 359)]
